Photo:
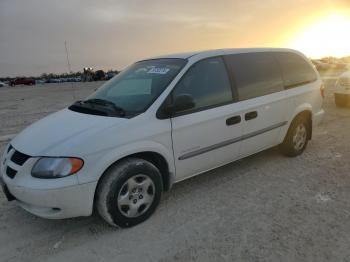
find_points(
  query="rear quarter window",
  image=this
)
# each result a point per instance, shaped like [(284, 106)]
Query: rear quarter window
[(254, 74), (295, 70)]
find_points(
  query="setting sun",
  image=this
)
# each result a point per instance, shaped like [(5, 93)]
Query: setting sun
[(330, 35)]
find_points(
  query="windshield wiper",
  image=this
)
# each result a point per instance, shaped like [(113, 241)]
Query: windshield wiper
[(106, 103)]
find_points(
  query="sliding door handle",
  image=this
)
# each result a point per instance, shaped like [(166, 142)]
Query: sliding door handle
[(233, 120), (251, 115)]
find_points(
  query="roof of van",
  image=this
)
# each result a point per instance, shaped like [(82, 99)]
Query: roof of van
[(208, 53)]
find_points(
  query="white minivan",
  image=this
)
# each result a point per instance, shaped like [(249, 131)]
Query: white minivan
[(160, 121)]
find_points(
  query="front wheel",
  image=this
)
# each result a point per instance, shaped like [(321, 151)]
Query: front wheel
[(297, 138), (129, 192)]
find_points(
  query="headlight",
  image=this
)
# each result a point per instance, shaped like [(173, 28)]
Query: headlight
[(50, 167)]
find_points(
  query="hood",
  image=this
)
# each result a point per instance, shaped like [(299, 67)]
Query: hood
[(60, 133)]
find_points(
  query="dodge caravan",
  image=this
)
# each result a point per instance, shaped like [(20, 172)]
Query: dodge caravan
[(160, 121)]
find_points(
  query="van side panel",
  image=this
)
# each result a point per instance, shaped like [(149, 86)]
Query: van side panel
[(261, 96), (302, 84)]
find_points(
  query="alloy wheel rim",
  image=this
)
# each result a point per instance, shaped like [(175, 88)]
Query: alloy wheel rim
[(300, 136), (136, 196)]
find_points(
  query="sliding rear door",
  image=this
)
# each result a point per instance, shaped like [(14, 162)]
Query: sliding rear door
[(265, 106)]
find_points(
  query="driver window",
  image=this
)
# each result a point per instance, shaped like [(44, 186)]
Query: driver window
[(208, 84)]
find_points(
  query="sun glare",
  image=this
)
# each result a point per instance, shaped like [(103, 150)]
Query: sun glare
[(330, 36)]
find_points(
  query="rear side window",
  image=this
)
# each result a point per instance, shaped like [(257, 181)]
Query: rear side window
[(254, 74), (295, 70), (207, 82)]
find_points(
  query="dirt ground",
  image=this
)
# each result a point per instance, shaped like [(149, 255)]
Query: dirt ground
[(263, 208)]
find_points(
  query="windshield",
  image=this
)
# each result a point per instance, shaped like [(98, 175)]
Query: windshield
[(136, 88)]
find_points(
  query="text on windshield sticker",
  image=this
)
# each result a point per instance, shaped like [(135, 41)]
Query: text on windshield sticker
[(160, 71)]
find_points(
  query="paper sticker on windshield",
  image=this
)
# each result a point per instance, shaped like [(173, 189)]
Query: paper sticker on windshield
[(157, 70)]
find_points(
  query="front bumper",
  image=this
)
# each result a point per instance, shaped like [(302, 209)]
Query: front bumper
[(49, 198), (66, 202)]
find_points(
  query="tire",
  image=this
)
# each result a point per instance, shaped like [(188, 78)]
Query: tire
[(129, 192), (297, 137), (340, 101)]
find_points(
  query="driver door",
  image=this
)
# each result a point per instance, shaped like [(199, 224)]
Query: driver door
[(207, 135)]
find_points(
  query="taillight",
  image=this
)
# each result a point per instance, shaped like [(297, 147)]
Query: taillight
[(322, 90)]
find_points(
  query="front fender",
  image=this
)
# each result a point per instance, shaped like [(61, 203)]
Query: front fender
[(98, 163)]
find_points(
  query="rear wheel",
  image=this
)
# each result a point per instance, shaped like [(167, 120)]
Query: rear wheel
[(129, 192), (297, 137)]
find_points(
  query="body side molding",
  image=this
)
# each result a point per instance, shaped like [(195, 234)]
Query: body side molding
[(231, 141)]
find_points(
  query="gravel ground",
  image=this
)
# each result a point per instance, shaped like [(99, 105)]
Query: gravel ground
[(266, 207)]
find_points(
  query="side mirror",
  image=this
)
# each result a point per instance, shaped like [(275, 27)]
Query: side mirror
[(181, 103)]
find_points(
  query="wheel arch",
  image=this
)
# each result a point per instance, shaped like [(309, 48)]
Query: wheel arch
[(305, 113), (158, 161), (156, 158)]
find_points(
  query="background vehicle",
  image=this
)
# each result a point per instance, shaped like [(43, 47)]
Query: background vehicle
[(22, 81), (110, 75), (2, 84), (53, 80), (321, 66), (194, 118), (39, 82), (340, 65), (342, 92), (99, 75), (90, 75)]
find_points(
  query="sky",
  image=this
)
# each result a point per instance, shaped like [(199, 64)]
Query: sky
[(111, 34)]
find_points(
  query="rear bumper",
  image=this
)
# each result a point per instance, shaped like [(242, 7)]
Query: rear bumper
[(345, 95), (66, 202), (342, 89), (318, 118)]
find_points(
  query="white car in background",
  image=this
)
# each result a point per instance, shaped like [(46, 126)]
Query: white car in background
[(161, 121), (321, 66), (342, 91), (2, 84)]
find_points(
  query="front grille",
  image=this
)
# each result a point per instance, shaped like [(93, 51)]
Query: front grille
[(19, 158), (10, 172), (15, 159)]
